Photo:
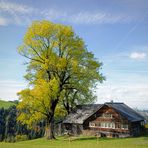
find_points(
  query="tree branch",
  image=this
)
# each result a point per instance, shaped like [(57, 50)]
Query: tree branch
[(32, 58)]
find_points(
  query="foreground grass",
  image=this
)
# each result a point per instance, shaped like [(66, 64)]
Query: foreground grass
[(85, 142)]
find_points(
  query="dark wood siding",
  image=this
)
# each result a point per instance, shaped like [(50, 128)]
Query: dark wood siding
[(106, 122), (117, 122)]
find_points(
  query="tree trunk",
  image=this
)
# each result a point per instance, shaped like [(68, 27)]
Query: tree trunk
[(49, 131)]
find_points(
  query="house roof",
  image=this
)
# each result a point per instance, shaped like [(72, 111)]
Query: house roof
[(83, 112), (126, 111)]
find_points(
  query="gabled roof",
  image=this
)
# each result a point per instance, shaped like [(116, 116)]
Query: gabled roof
[(83, 112), (126, 111)]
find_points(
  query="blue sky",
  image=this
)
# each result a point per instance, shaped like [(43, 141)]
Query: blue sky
[(116, 31)]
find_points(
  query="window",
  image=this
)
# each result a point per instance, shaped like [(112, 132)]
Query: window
[(113, 125), (91, 124), (107, 115), (124, 126), (118, 126), (98, 124), (107, 125), (102, 124)]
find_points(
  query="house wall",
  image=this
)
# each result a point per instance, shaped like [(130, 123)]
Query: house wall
[(107, 123), (116, 125), (73, 129), (136, 129)]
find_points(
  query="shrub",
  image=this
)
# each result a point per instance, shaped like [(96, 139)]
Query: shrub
[(21, 137), (10, 139), (146, 126)]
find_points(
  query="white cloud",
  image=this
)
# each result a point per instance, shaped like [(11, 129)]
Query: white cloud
[(9, 89), (85, 17), (14, 13), (20, 14), (53, 14), (3, 21), (96, 18), (138, 55), (14, 7), (131, 94)]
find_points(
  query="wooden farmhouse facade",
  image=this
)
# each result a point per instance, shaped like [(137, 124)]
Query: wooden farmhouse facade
[(104, 120)]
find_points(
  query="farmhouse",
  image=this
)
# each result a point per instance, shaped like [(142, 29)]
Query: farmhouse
[(104, 120)]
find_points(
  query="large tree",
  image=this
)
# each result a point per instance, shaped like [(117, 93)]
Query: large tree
[(58, 65)]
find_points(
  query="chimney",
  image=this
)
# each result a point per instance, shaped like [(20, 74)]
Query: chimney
[(111, 101)]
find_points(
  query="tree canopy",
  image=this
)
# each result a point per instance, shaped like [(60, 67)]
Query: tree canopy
[(61, 73)]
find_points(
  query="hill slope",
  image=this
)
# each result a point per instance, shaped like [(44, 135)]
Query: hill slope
[(6, 104)]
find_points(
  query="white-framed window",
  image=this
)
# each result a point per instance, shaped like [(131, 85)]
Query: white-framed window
[(124, 126), (113, 125), (91, 124), (102, 124), (107, 115), (107, 125)]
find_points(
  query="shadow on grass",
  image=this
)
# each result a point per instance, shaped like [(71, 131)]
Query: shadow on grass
[(93, 138), (86, 138)]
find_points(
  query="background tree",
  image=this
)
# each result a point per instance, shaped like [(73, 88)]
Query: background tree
[(11, 130), (2, 124), (10, 125), (58, 62), (73, 97)]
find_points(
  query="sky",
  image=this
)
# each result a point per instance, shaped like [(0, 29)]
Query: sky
[(116, 31)]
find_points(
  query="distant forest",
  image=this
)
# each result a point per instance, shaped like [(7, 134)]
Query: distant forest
[(11, 130)]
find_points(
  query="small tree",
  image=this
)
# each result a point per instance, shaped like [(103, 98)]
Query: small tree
[(59, 63)]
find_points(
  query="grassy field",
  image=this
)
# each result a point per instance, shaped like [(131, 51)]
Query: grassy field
[(6, 104), (141, 142)]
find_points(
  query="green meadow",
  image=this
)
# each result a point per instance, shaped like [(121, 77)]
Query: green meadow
[(85, 142), (6, 104)]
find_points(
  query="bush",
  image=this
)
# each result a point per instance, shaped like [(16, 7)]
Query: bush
[(146, 126), (21, 137), (10, 139)]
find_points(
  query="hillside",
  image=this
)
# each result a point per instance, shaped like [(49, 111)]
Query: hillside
[(6, 104)]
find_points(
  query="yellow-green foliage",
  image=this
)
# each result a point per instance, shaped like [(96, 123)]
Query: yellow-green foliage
[(58, 62), (21, 137), (36, 102), (146, 126)]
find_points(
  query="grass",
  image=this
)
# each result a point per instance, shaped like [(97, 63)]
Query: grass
[(84, 142), (6, 104)]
